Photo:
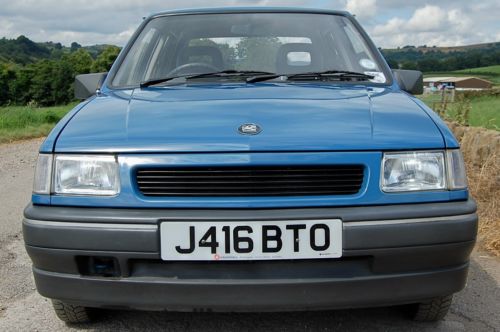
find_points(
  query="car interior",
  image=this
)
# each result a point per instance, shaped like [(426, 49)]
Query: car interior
[(179, 47)]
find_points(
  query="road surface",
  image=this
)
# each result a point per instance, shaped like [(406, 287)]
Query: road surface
[(477, 308)]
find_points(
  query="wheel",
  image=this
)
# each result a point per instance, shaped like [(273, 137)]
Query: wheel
[(71, 314), (433, 310)]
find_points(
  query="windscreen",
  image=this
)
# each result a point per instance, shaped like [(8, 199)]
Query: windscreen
[(280, 43)]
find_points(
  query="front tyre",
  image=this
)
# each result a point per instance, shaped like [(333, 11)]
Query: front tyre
[(71, 314), (433, 310)]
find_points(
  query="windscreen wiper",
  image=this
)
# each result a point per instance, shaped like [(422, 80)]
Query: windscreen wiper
[(259, 76), (223, 73), (330, 74), (316, 76)]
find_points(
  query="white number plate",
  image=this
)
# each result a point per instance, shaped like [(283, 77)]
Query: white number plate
[(250, 240)]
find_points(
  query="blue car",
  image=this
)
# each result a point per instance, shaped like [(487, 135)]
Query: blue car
[(250, 159)]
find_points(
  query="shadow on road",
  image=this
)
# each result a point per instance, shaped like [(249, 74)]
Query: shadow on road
[(474, 309), (347, 320)]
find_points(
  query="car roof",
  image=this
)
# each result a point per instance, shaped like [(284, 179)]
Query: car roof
[(236, 10)]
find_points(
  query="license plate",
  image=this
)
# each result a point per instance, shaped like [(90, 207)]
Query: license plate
[(254, 240)]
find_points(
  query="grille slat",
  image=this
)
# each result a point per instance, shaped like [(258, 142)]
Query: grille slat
[(197, 177), (241, 182), (251, 181), (220, 173), (243, 188), (248, 170)]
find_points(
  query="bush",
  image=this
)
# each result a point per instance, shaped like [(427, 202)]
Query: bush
[(49, 82)]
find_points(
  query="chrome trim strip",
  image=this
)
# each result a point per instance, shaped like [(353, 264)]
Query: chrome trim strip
[(406, 221), (89, 225)]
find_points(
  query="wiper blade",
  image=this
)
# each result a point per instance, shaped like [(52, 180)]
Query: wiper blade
[(223, 73), (263, 77), (259, 76), (231, 73), (329, 74), (158, 81), (317, 76)]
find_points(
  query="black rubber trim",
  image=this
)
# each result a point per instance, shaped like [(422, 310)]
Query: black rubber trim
[(347, 214), (251, 295), (355, 237), (363, 262), (90, 238), (397, 235)]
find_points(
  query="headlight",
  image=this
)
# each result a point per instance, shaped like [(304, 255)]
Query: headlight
[(413, 171), (86, 175), (417, 171), (43, 174)]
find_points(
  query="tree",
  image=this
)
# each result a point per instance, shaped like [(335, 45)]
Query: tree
[(105, 60), (429, 65), (258, 53), (7, 75), (40, 89), (62, 84), (81, 61), (75, 46), (20, 87), (393, 64), (410, 65)]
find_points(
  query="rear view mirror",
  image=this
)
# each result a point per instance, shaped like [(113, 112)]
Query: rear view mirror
[(86, 85), (411, 81)]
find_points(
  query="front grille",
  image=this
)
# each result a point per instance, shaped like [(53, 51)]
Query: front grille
[(251, 181)]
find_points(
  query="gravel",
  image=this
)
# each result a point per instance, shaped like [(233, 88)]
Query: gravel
[(476, 308)]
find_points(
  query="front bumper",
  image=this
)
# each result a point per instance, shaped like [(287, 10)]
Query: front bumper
[(391, 255)]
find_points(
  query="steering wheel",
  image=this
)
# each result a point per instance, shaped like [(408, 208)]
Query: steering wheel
[(194, 68)]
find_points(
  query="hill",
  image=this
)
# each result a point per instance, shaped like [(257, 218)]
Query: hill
[(446, 49), (435, 59), (490, 70), (425, 58), (24, 51), (43, 73)]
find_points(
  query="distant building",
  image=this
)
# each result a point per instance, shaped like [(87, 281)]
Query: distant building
[(458, 83)]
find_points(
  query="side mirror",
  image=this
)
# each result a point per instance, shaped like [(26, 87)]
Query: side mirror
[(86, 85), (411, 81)]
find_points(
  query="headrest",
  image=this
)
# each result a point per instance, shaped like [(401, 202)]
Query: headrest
[(295, 58), (200, 51)]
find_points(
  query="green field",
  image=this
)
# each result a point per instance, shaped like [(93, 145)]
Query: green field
[(484, 110), (495, 70), (23, 122), (491, 73)]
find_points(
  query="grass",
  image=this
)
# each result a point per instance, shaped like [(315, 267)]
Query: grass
[(484, 109), (490, 70), (486, 191), (23, 122)]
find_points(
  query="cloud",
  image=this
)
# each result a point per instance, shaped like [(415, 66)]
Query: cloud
[(96, 22), (430, 25), (428, 18), (362, 8), (390, 22)]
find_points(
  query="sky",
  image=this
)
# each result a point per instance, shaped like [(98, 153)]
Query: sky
[(390, 23)]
